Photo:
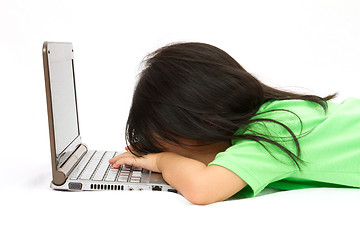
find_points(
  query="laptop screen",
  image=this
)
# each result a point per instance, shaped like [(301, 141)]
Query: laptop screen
[(63, 96)]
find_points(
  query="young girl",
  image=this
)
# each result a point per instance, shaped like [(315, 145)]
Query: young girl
[(214, 130)]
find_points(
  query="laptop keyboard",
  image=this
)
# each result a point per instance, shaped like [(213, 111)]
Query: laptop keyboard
[(95, 166)]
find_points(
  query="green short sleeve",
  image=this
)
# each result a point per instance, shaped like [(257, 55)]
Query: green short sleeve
[(329, 143), (252, 163)]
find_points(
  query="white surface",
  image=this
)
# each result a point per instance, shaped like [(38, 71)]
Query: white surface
[(30, 209), (310, 44)]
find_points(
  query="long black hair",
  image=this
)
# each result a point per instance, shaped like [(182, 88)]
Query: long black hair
[(197, 91)]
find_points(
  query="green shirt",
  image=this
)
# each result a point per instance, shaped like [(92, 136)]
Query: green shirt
[(329, 142)]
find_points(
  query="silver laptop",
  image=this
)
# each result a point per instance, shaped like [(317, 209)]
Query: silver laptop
[(74, 166)]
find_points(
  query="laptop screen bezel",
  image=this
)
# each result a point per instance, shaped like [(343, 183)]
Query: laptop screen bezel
[(57, 52)]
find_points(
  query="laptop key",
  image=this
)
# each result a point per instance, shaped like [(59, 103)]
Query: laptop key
[(136, 174), (103, 166), (135, 180), (126, 168), (78, 169), (91, 166), (111, 175), (100, 172), (123, 178)]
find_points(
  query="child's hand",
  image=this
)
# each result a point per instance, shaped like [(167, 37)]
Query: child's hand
[(148, 161)]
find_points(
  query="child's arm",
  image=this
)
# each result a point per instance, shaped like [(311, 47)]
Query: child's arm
[(198, 183)]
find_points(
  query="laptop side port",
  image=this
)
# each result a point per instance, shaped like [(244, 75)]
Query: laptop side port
[(75, 186), (172, 190), (156, 188)]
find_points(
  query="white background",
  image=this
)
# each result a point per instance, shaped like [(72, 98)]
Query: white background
[(310, 46)]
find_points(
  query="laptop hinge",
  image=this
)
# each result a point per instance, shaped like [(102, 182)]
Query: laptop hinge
[(72, 161)]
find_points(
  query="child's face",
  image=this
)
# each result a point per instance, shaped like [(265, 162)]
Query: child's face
[(205, 154)]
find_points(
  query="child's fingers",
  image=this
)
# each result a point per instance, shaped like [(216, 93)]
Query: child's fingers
[(125, 158), (114, 159), (122, 161), (148, 161)]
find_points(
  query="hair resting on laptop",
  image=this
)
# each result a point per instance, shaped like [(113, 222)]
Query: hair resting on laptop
[(197, 91)]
